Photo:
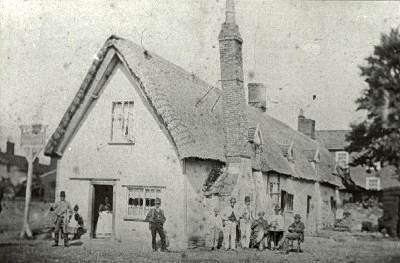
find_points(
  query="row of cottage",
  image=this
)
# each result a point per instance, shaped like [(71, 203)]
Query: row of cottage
[(141, 127)]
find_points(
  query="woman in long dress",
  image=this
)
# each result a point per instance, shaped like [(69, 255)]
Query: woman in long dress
[(104, 222)]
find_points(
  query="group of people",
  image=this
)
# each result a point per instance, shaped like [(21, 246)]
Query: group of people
[(255, 232)]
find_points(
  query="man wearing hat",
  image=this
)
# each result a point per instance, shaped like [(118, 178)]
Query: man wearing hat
[(62, 210), (295, 232), (217, 227), (230, 217), (156, 220), (246, 219)]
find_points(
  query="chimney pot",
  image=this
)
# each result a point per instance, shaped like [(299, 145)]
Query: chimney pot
[(306, 126), (10, 148)]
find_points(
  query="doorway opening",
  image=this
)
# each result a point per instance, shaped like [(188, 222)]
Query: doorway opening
[(102, 211)]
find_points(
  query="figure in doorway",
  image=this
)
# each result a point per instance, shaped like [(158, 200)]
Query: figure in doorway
[(104, 222), (156, 220)]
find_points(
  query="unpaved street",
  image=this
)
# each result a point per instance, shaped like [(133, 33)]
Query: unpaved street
[(327, 247)]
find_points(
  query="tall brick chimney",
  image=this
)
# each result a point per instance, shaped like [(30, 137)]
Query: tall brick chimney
[(233, 94), (306, 126)]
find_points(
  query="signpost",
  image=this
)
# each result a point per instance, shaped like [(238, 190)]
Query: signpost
[(33, 138)]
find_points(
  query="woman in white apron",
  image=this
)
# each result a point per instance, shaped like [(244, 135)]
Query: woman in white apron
[(104, 222)]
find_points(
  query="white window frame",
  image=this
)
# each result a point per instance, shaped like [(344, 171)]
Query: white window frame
[(337, 154), (139, 212), (368, 182), (127, 120)]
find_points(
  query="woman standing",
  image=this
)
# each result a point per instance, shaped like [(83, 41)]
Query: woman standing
[(104, 223)]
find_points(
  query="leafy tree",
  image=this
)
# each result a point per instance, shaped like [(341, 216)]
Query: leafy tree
[(377, 138)]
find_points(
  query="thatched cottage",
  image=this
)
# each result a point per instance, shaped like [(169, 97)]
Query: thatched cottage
[(141, 127)]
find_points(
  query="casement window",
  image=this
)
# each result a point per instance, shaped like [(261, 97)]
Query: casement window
[(275, 191), (342, 159), (140, 199), (286, 201), (289, 202), (373, 183), (122, 122), (333, 203)]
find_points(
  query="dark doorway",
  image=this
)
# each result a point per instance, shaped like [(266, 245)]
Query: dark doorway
[(100, 193)]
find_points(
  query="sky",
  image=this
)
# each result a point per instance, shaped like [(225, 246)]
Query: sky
[(296, 48)]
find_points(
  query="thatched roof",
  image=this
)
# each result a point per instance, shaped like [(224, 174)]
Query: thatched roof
[(190, 111), (332, 139)]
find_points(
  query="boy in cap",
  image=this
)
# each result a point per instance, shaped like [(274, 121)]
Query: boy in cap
[(156, 220), (62, 210), (276, 227), (246, 219), (77, 223), (217, 227), (230, 218)]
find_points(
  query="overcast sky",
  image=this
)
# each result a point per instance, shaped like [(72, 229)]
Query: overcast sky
[(297, 48)]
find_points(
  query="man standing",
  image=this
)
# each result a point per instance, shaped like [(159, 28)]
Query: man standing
[(246, 219), (230, 218), (156, 220), (217, 227), (62, 210)]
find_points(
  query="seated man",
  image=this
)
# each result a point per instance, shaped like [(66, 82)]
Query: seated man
[(295, 232), (259, 232)]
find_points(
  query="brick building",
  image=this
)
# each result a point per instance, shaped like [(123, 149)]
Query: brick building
[(141, 127)]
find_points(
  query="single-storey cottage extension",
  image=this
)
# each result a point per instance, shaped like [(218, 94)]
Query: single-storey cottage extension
[(141, 127)]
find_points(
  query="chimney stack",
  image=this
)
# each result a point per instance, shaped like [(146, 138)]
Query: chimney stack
[(10, 148), (233, 93), (306, 126), (257, 94)]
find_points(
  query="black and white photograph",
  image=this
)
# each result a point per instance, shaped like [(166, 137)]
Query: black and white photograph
[(200, 131)]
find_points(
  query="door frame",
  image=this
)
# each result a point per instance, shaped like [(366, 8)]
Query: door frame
[(91, 203)]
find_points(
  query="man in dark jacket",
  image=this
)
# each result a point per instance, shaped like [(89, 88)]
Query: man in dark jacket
[(156, 220), (295, 232)]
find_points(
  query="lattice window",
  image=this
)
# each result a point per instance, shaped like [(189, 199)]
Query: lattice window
[(342, 159), (373, 183), (140, 200)]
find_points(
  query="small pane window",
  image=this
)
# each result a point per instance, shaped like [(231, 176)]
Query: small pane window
[(342, 159), (141, 199), (373, 183)]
